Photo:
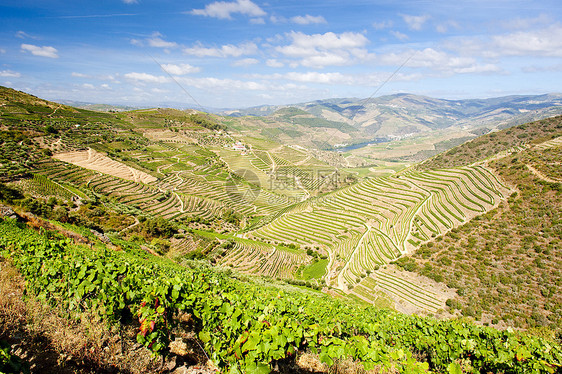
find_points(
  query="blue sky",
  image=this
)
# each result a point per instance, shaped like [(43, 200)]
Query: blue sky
[(241, 53)]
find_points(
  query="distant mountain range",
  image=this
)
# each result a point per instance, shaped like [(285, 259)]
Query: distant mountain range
[(403, 114)]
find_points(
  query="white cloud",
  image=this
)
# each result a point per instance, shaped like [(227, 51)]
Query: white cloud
[(106, 86), (2, 50), (180, 69), (23, 35), (323, 59), (316, 77), (398, 35), (414, 22), (246, 62), (224, 10), (130, 1), (308, 19), (228, 50), (544, 42), (477, 69), (329, 40), (445, 26), (277, 19), (110, 78), (40, 51), (88, 86), (257, 21), (382, 25), (146, 78), (320, 50), (437, 60), (79, 75), (277, 38), (272, 63), (156, 41), (9, 74), (211, 83)]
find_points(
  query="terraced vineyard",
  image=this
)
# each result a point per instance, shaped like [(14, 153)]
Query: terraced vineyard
[(264, 259), (409, 294), (42, 186), (374, 222)]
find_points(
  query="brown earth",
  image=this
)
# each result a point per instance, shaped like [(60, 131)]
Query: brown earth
[(98, 161)]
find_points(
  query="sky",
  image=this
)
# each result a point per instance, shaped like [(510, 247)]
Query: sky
[(244, 53)]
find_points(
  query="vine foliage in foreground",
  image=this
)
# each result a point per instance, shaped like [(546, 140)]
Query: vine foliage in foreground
[(246, 327)]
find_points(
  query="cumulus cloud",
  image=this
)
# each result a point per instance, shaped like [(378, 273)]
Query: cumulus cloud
[(257, 21), (317, 77), (308, 19), (398, 35), (223, 84), (9, 74), (438, 60), (227, 50), (415, 22), (329, 40), (277, 19), (46, 51), (543, 42), (224, 10), (146, 78), (320, 50), (180, 69), (273, 63), (445, 26), (156, 41), (314, 77)]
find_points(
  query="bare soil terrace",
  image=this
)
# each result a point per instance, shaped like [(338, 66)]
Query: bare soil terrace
[(98, 161)]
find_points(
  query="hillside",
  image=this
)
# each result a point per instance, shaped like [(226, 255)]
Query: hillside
[(506, 264), (502, 142), (193, 212)]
